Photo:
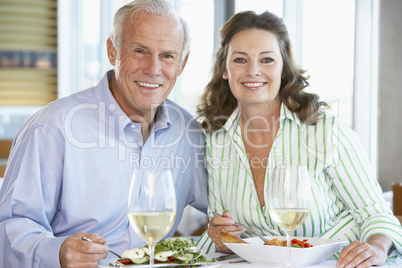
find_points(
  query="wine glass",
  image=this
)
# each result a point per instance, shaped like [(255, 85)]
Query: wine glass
[(289, 195), (152, 206)]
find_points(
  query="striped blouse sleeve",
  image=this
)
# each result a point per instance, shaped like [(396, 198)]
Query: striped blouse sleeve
[(358, 189)]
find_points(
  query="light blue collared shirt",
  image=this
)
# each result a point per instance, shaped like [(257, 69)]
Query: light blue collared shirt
[(70, 170)]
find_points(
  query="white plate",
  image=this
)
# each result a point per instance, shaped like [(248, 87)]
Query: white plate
[(257, 253), (105, 264)]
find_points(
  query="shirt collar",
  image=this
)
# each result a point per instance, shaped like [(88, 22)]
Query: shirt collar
[(112, 108), (162, 118), (103, 94), (233, 121), (288, 114)]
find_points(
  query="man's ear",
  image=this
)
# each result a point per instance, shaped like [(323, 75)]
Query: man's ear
[(183, 64), (111, 52)]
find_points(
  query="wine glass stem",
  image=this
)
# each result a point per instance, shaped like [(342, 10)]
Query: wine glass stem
[(288, 237), (151, 256)]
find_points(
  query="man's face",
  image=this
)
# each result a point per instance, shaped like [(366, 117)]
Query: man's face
[(148, 63)]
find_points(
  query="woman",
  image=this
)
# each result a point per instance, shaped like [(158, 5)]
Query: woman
[(256, 114)]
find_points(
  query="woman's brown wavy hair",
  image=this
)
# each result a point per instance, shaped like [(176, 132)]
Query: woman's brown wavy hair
[(218, 102)]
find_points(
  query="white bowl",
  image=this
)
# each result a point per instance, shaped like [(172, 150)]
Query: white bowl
[(257, 253)]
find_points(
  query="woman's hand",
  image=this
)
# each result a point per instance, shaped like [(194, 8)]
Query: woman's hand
[(225, 222), (361, 255)]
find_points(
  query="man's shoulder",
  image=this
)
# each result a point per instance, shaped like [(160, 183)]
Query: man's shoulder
[(182, 121), (178, 113), (57, 110), (180, 110)]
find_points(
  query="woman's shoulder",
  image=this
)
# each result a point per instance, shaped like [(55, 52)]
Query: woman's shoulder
[(215, 134), (229, 127), (330, 122), (329, 115)]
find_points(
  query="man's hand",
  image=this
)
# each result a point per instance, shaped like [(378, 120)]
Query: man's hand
[(361, 255), (75, 252), (225, 223)]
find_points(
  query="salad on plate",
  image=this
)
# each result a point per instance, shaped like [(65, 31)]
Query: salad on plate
[(176, 250)]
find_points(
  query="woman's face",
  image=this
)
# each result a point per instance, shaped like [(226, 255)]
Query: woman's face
[(254, 67)]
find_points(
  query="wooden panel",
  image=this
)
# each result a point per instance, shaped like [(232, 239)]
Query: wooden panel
[(399, 218), (397, 198), (5, 146), (2, 171)]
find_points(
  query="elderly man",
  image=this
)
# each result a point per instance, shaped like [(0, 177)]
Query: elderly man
[(71, 164)]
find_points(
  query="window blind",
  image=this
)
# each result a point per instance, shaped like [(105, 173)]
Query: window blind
[(28, 52)]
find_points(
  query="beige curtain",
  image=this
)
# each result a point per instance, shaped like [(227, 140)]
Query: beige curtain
[(28, 52)]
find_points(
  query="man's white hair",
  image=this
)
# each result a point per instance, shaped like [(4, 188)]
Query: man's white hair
[(155, 7)]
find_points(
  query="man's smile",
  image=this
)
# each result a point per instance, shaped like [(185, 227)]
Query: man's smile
[(144, 84)]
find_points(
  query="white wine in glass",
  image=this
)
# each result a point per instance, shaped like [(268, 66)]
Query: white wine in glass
[(152, 206), (289, 195)]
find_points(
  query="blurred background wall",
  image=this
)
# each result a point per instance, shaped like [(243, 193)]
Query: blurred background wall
[(390, 94)]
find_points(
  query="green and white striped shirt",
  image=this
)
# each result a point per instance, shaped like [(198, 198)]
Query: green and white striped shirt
[(347, 200)]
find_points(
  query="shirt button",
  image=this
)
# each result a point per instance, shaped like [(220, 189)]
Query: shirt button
[(132, 126)]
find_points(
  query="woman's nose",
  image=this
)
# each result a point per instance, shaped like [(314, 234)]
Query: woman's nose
[(254, 69)]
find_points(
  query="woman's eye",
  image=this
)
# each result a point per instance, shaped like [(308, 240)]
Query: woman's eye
[(267, 60), (239, 60)]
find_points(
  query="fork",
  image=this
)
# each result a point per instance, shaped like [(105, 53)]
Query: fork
[(111, 251), (244, 226)]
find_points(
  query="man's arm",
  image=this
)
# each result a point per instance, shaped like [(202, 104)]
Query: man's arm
[(29, 201)]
